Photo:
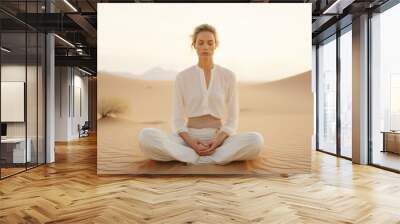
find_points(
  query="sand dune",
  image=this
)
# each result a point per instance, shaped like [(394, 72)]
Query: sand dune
[(287, 96), (280, 110)]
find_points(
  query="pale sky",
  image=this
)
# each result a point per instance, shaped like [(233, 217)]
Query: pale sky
[(258, 41)]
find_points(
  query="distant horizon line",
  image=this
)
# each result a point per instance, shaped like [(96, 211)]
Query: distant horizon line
[(137, 77)]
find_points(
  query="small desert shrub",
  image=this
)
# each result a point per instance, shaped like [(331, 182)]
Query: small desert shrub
[(111, 107)]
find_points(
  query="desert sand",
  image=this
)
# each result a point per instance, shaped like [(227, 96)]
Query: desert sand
[(282, 111)]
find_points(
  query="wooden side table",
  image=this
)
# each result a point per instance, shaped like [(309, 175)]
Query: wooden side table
[(391, 141)]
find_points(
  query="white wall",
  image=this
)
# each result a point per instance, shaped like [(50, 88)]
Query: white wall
[(62, 80), (70, 83), (17, 73), (14, 73), (80, 94)]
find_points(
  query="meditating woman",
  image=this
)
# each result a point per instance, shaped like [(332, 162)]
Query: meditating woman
[(205, 114)]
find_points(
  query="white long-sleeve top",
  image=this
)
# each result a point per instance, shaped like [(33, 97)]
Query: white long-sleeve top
[(192, 98)]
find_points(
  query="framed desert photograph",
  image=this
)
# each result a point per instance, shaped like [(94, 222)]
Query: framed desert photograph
[(204, 89)]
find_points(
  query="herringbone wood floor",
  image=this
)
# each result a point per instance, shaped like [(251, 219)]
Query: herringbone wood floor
[(69, 191)]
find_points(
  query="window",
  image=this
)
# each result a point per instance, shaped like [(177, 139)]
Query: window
[(385, 88), (346, 93), (395, 102), (327, 96)]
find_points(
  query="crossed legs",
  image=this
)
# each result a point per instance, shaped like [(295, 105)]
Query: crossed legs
[(158, 145)]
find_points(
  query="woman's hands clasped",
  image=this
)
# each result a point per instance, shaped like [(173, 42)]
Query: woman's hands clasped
[(198, 145), (207, 147), (203, 147)]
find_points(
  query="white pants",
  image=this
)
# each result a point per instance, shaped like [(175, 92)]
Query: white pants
[(158, 145)]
